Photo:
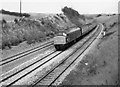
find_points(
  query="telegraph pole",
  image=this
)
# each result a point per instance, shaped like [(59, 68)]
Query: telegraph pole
[(20, 8)]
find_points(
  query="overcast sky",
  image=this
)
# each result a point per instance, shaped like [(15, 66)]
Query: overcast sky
[(54, 6)]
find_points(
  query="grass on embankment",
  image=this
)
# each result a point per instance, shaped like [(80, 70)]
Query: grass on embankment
[(102, 61), (31, 30)]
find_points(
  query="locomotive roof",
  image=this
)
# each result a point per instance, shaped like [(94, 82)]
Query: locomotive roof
[(70, 30), (74, 29)]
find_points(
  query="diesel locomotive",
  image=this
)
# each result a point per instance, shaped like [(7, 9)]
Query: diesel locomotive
[(65, 37)]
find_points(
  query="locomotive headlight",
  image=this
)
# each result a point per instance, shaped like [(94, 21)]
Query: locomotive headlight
[(64, 34), (67, 39)]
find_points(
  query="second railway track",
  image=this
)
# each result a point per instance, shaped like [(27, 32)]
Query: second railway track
[(22, 54)]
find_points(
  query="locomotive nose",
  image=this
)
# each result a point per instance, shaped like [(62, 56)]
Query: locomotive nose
[(60, 40)]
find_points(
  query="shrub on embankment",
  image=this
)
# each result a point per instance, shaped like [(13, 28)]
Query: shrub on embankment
[(74, 16), (31, 30)]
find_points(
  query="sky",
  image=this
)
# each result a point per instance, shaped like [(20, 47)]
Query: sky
[(55, 6)]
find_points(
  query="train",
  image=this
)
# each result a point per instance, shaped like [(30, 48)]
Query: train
[(65, 37)]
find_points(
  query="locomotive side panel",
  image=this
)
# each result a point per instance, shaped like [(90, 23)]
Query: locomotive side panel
[(73, 35)]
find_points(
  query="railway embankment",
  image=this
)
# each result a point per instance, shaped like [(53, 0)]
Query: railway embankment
[(23, 33), (100, 65)]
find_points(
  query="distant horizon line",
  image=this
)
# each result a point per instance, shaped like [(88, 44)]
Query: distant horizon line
[(56, 12)]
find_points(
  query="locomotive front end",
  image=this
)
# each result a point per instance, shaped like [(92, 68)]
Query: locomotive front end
[(60, 40)]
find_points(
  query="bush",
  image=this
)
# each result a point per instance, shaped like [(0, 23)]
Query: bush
[(98, 15), (74, 16), (5, 41)]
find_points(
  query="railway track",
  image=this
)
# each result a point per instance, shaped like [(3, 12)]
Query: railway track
[(50, 77), (32, 66), (22, 54)]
